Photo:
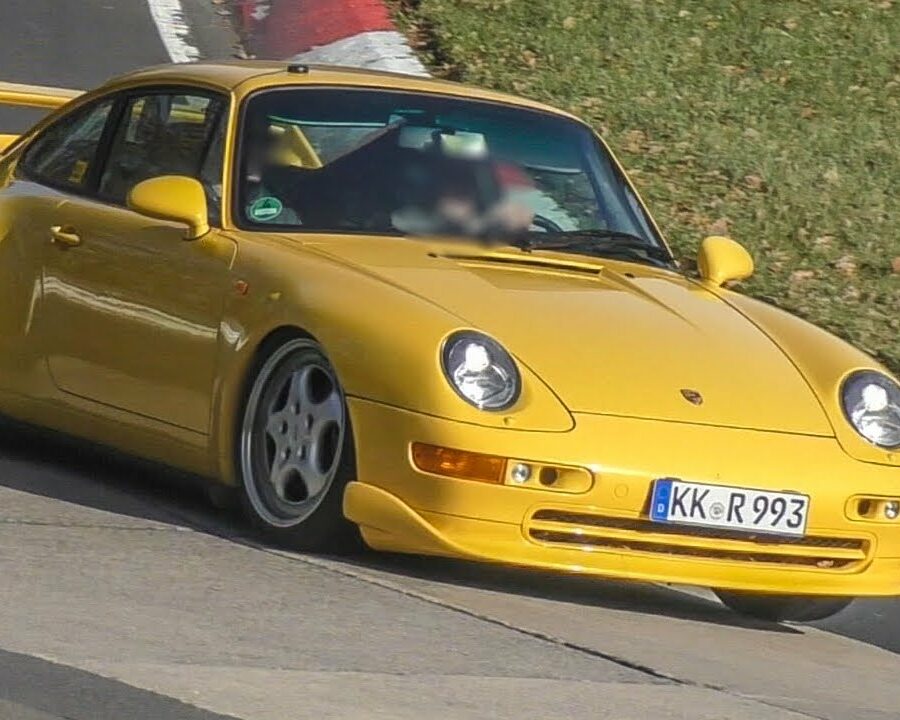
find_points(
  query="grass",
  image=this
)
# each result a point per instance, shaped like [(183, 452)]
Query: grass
[(774, 122)]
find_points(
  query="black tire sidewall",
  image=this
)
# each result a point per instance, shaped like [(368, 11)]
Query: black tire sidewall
[(783, 608)]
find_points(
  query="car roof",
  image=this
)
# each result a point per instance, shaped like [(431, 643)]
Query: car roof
[(242, 77)]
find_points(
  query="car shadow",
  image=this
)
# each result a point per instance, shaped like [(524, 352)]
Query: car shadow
[(51, 465), (565, 588), (59, 467)]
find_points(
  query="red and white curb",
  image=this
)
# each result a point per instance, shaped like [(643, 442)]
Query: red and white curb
[(355, 33)]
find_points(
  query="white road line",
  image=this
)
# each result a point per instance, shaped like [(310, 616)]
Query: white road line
[(173, 30)]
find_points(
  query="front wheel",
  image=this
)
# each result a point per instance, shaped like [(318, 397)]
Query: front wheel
[(779, 608), (295, 450)]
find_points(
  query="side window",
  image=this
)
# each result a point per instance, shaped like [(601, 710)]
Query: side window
[(160, 134), (65, 152)]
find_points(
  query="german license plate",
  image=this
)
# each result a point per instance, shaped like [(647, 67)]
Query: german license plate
[(734, 508)]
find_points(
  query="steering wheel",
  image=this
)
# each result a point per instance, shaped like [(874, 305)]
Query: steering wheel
[(545, 224)]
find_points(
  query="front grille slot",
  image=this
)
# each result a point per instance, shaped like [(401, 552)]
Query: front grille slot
[(589, 531)]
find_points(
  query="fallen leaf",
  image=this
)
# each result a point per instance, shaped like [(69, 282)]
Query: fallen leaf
[(569, 23), (802, 275), (895, 265), (831, 176), (754, 182), (790, 24), (720, 226), (634, 141), (846, 265)]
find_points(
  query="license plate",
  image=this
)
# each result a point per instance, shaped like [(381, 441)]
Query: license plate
[(734, 508)]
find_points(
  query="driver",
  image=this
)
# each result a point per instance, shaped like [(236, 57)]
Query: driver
[(457, 195)]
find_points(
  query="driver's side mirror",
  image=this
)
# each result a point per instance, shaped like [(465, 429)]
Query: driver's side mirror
[(723, 260), (177, 198)]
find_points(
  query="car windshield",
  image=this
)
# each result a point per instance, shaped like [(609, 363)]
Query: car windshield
[(337, 160)]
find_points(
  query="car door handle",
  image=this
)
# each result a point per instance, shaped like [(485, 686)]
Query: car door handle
[(64, 236)]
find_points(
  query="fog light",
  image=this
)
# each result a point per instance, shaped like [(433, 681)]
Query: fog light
[(892, 509), (520, 473)]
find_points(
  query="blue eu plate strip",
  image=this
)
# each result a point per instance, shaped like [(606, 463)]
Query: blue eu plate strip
[(662, 497)]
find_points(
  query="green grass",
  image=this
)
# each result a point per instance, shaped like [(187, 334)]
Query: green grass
[(773, 121)]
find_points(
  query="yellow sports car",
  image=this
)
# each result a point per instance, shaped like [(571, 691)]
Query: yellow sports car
[(438, 318)]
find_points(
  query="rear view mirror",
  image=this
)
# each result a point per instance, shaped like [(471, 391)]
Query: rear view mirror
[(723, 260), (172, 197)]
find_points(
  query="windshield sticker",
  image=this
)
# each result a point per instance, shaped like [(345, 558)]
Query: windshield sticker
[(266, 208)]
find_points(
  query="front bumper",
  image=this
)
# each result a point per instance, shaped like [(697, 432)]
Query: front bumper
[(604, 530)]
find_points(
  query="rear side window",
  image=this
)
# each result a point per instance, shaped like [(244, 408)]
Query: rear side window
[(160, 134), (66, 152)]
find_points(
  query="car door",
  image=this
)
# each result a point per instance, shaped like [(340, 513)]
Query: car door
[(57, 163), (130, 309)]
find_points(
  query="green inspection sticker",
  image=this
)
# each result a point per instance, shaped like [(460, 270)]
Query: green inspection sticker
[(266, 208)]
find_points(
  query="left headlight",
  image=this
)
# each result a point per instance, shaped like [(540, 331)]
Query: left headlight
[(871, 403), (481, 371)]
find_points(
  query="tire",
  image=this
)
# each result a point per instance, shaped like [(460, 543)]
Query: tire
[(780, 608), (295, 450)]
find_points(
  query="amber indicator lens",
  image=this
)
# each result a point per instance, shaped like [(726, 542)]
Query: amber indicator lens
[(458, 463)]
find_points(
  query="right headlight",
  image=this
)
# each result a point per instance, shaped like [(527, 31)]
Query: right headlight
[(481, 371), (871, 403)]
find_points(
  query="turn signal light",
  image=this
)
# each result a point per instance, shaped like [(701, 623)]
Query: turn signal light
[(459, 463)]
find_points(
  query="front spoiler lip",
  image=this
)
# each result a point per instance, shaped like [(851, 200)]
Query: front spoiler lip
[(389, 524)]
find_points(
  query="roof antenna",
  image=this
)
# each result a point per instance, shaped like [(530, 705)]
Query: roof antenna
[(298, 69)]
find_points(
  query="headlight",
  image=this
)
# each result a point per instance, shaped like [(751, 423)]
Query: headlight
[(480, 371), (872, 405)]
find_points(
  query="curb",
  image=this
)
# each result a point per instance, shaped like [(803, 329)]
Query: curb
[(355, 33)]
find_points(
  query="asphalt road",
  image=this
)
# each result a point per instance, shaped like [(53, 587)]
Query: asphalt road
[(82, 43), (124, 595)]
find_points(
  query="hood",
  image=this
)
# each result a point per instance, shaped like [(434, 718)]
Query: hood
[(608, 337)]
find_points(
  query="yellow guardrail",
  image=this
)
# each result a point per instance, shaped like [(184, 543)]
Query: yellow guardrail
[(36, 96)]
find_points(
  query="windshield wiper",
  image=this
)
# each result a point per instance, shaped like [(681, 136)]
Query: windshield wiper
[(596, 242)]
